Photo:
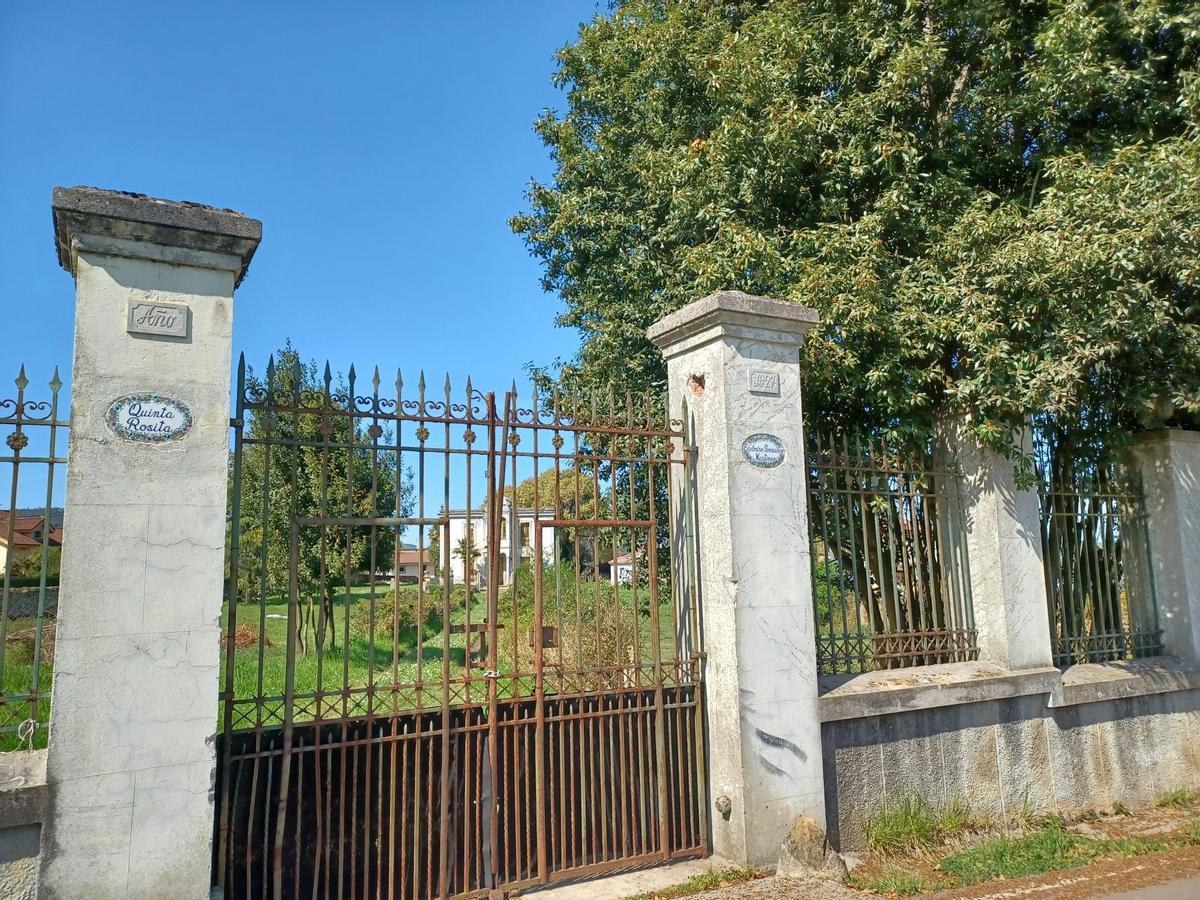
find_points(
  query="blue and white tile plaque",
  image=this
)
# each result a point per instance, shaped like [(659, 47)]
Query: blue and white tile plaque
[(763, 450), (149, 418)]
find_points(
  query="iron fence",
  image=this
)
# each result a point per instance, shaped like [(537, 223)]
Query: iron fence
[(520, 713), (890, 585), (35, 438), (1096, 554)]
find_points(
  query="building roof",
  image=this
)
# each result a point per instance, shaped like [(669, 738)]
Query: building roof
[(23, 530), (19, 540), (410, 557), (54, 514), (25, 524)]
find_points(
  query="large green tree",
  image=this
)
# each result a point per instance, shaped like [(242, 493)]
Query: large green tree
[(313, 451), (994, 206)]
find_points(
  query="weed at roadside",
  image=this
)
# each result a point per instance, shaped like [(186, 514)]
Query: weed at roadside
[(1046, 850), (898, 881), (1180, 798), (697, 884), (911, 823)]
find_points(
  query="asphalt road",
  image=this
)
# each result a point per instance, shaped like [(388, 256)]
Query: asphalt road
[(1184, 889)]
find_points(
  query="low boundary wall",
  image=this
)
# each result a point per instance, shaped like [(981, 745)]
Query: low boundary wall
[(1009, 744)]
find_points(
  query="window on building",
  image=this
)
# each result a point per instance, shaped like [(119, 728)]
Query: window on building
[(524, 534)]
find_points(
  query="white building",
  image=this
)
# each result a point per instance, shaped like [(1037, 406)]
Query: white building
[(621, 569), (413, 565), (517, 538)]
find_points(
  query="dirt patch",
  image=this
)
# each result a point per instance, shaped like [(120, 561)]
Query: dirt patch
[(245, 636), (1097, 880)]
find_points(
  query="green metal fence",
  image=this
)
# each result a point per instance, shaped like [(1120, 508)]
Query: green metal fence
[(1096, 553), (34, 452), (890, 582)]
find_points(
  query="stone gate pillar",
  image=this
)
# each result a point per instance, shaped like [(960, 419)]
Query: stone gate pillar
[(735, 360), (1168, 462), (131, 752), (1004, 553)]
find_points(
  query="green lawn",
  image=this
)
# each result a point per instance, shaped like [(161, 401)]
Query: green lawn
[(17, 681), (360, 661), (352, 663), (417, 658)]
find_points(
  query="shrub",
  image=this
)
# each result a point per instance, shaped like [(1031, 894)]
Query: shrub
[(245, 636), (388, 613), (28, 564)]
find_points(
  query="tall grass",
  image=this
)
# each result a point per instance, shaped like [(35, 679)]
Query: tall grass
[(909, 823)]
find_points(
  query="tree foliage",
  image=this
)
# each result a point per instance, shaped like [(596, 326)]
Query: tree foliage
[(994, 206), (315, 463), (28, 563)]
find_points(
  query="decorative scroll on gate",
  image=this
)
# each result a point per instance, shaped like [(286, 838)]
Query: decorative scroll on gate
[(463, 648)]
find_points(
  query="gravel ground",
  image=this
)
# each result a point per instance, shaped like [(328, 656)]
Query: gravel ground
[(776, 888)]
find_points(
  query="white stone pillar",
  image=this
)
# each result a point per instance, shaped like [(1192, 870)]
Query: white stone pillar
[(131, 753), (1004, 556), (735, 360), (1169, 464)]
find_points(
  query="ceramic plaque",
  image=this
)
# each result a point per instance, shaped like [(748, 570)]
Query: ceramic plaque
[(149, 418), (763, 450)]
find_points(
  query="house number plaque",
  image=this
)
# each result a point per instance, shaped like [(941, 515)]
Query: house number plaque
[(149, 418), (763, 450), (764, 383)]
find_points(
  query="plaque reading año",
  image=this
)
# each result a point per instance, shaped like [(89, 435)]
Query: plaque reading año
[(149, 418), (763, 450), (157, 318)]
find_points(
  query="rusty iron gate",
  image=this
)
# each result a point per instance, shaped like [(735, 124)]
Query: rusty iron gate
[(462, 654)]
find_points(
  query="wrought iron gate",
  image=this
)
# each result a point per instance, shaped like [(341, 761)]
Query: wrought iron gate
[(463, 650)]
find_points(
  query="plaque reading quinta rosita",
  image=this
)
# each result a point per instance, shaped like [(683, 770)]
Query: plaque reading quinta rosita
[(763, 450), (149, 418)]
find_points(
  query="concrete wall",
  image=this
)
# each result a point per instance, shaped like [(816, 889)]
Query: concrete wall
[(19, 861), (1010, 755), (23, 602), (22, 811)]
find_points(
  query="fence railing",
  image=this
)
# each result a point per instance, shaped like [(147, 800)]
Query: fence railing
[(1097, 559), (34, 449), (890, 581)]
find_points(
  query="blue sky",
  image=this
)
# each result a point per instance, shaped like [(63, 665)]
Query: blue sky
[(383, 146)]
